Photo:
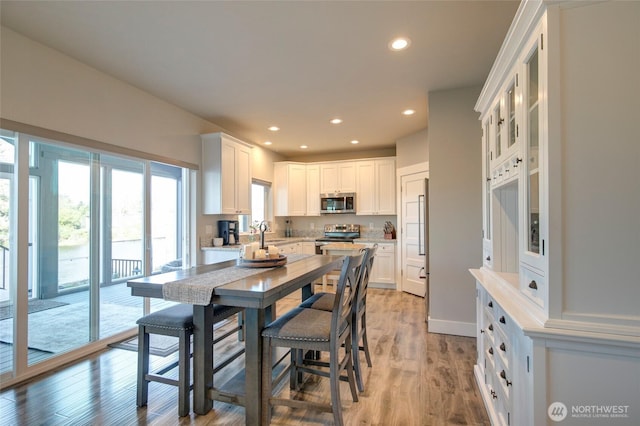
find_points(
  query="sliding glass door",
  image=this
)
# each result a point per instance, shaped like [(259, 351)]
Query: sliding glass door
[(88, 217)]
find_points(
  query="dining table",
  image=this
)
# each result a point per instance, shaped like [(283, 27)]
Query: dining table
[(231, 283)]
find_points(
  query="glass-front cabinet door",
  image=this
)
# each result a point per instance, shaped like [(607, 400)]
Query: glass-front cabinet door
[(486, 196), (534, 217)]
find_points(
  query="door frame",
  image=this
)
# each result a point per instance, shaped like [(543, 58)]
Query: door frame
[(400, 173)]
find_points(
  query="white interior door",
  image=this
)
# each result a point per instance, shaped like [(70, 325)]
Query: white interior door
[(412, 218)]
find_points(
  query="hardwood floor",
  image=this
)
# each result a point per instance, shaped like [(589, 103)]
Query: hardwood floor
[(418, 378)]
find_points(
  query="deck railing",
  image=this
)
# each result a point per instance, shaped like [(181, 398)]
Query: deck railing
[(125, 268)]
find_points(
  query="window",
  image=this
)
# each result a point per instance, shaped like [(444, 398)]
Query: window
[(260, 192)]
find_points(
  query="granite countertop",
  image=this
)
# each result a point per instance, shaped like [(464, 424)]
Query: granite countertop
[(273, 242), (375, 240)]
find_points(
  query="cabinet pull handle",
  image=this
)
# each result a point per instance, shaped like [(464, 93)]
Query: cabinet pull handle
[(533, 285), (503, 348), (490, 327), (503, 375), (490, 304), (481, 330), (518, 160), (493, 394), (506, 170), (502, 320)]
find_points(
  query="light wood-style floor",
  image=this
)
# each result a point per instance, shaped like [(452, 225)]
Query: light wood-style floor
[(417, 378)]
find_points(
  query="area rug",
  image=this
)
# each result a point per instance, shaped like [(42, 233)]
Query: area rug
[(67, 327), (158, 345), (35, 305)]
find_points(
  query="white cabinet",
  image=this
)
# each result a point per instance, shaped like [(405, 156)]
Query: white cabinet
[(290, 248), (308, 247), (376, 188), (383, 273), (339, 176), (296, 189), (216, 256), (313, 190), (226, 175), (557, 260)]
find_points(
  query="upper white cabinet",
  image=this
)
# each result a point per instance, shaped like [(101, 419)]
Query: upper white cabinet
[(557, 307), (313, 190), (376, 189), (295, 189), (339, 176), (226, 175)]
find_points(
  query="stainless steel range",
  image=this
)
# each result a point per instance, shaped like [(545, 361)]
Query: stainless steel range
[(343, 233)]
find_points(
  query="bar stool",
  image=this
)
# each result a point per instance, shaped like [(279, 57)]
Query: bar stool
[(324, 302), (303, 330), (176, 321)]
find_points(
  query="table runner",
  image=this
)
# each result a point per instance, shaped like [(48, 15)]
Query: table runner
[(198, 290)]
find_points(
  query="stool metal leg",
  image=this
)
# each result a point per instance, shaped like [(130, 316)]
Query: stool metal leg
[(184, 375), (143, 367)]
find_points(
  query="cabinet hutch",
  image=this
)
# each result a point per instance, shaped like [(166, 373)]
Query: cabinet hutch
[(558, 291)]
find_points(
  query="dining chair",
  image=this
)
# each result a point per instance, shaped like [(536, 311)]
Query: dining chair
[(176, 321), (302, 330), (324, 301)]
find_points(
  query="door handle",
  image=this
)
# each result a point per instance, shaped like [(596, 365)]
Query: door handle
[(421, 274), (420, 246)]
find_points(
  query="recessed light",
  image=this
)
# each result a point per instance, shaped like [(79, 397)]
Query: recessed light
[(355, 142), (268, 143), (409, 112), (274, 128), (336, 121), (303, 147), (399, 43)]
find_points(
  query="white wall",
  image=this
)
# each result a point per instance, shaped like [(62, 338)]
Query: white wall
[(44, 88), (455, 209), (413, 149)]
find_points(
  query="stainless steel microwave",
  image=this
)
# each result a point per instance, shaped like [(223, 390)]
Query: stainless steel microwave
[(338, 203)]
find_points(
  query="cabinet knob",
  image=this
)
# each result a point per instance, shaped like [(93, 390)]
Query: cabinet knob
[(518, 160), (502, 320), (491, 351), (490, 304), (503, 348), (481, 330), (533, 285), (490, 327), (488, 259), (506, 170)]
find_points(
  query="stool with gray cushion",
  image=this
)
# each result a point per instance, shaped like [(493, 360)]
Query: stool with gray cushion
[(324, 302), (303, 329), (174, 321)]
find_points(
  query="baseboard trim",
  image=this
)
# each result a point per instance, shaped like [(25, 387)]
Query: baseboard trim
[(456, 328)]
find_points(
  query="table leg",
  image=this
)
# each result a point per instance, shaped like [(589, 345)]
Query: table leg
[(202, 358), (307, 291), (254, 323)]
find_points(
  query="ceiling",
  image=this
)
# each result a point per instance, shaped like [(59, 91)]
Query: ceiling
[(248, 65)]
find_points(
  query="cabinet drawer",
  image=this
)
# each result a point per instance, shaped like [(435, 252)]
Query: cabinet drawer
[(533, 284)]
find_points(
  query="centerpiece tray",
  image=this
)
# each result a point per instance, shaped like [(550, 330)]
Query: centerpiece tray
[(263, 263)]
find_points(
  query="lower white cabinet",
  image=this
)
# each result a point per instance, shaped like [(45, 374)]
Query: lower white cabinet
[(529, 374), (216, 256), (290, 248), (308, 247), (383, 273)]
